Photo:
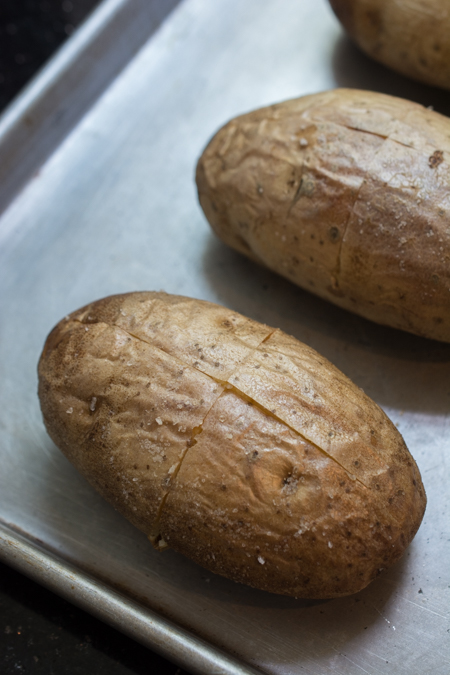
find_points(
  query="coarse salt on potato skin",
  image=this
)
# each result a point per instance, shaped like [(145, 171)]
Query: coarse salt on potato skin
[(409, 37), (347, 194), (231, 442)]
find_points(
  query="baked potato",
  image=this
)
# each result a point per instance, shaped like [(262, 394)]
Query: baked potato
[(231, 442), (412, 38), (347, 194)]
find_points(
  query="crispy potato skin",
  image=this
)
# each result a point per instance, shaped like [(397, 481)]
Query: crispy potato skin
[(231, 442), (345, 193), (409, 37)]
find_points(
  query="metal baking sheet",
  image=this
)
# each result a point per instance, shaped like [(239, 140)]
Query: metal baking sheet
[(114, 209)]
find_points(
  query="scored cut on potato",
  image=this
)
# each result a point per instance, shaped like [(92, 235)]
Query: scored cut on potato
[(347, 194), (275, 471), (113, 401)]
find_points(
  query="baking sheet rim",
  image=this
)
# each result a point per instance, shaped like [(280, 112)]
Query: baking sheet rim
[(18, 549), (141, 623)]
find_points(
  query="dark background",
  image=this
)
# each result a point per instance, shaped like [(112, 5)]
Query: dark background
[(30, 31), (41, 634)]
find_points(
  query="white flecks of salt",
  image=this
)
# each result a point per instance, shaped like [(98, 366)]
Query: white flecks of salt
[(303, 143), (86, 328), (158, 421), (93, 403), (330, 545), (69, 411), (261, 560), (229, 436)]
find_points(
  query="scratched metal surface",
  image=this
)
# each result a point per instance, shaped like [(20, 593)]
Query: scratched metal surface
[(114, 209)]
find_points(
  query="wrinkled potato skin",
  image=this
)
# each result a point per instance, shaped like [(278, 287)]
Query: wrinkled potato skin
[(231, 442), (409, 37), (345, 193)]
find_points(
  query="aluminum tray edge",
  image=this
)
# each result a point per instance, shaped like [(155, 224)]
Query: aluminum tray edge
[(105, 603)]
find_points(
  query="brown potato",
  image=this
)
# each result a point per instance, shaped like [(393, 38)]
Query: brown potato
[(230, 442), (345, 193), (412, 38)]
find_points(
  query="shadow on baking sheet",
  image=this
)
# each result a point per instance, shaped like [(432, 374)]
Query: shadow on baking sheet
[(397, 369), (353, 69)]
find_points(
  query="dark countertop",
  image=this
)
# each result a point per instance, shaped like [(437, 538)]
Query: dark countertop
[(40, 633), (30, 31)]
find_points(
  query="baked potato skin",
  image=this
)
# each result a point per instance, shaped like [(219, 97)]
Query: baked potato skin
[(412, 38), (266, 465), (345, 193)]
